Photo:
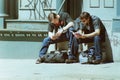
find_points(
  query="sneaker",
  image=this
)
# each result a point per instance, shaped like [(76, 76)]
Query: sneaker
[(71, 61), (40, 60), (68, 52), (96, 61)]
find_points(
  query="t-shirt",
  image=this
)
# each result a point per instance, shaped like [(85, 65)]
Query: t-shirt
[(96, 24), (64, 19)]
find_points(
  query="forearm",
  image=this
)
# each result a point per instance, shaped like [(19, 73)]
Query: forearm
[(96, 33), (70, 24), (90, 35)]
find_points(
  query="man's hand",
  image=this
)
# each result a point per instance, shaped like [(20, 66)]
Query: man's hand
[(83, 36), (77, 35), (59, 32), (54, 37)]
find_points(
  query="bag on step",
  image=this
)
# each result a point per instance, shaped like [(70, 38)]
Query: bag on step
[(56, 57)]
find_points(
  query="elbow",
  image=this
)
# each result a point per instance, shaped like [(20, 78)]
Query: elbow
[(71, 23)]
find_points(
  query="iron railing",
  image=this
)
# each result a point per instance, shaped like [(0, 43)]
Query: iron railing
[(37, 8)]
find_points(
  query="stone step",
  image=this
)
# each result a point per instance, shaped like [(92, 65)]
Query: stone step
[(22, 35), (24, 30), (17, 24)]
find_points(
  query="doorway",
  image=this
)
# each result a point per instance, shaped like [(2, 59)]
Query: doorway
[(73, 7)]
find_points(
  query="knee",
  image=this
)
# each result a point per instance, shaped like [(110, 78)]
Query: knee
[(71, 29), (69, 32), (75, 40), (97, 38), (46, 40)]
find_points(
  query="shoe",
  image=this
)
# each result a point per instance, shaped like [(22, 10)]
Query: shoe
[(70, 61), (40, 60), (96, 61), (68, 52)]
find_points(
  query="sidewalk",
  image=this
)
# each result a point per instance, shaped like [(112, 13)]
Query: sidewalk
[(13, 69)]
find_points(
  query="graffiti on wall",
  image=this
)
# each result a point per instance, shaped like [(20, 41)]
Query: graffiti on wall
[(115, 40), (36, 8)]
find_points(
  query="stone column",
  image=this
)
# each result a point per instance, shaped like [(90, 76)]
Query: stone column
[(118, 8), (116, 20), (116, 34), (2, 14)]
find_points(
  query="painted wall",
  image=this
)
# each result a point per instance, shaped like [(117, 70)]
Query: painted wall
[(105, 9)]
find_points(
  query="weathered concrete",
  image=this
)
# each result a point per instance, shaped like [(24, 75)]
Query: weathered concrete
[(27, 24), (21, 69), (19, 50)]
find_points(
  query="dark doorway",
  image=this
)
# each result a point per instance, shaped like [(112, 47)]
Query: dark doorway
[(73, 7), (11, 7)]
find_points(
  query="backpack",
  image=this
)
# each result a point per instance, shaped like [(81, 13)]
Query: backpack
[(87, 56), (56, 57)]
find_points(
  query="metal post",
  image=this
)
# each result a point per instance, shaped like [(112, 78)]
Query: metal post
[(2, 14), (118, 8)]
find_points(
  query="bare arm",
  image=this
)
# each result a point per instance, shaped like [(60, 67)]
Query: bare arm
[(95, 33), (82, 35), (70, 24)]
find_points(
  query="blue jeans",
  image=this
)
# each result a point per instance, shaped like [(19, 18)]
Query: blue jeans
[(97, 45), (68, 36)]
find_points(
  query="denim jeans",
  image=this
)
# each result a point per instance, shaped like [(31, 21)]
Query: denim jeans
[(68, 36), (97, 45)]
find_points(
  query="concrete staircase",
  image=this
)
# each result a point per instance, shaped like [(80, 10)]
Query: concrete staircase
[(22, 39)]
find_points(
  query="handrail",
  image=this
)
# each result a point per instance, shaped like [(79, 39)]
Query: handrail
[(61, 6)]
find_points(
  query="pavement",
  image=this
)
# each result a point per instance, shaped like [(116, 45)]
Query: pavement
[(26, 69)]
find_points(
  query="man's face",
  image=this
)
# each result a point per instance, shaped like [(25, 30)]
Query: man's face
[(55, 21), (85, 21)]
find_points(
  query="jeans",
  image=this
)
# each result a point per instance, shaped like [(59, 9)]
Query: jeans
[(68, 36), (97, 45)]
